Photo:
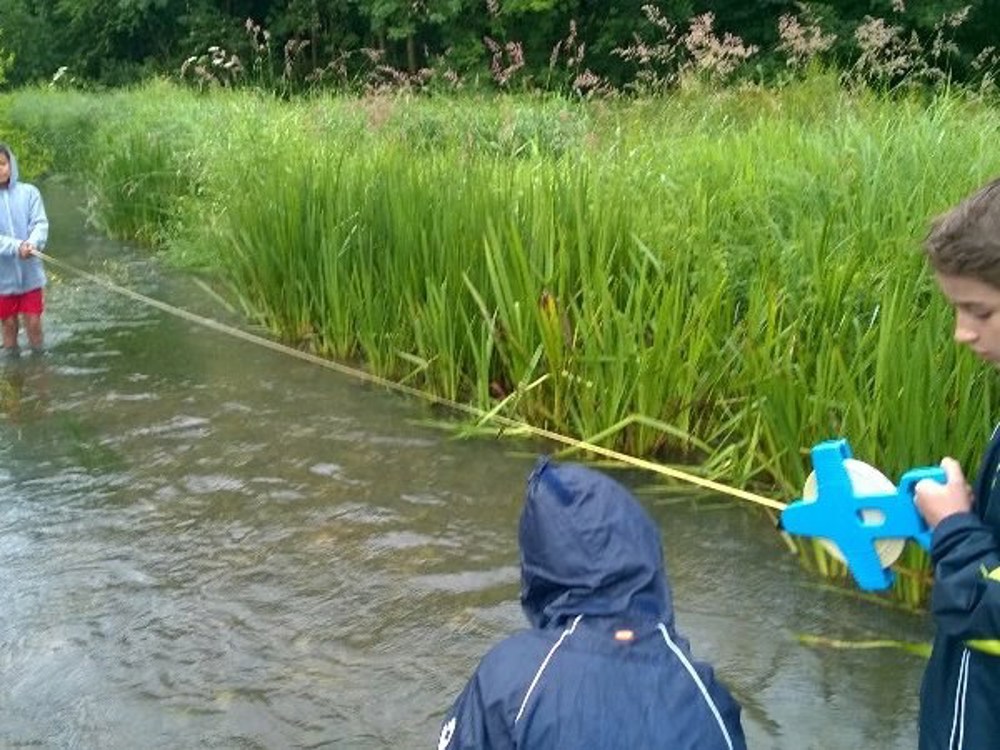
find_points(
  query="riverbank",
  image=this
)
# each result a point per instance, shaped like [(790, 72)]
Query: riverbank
[(720, 278)]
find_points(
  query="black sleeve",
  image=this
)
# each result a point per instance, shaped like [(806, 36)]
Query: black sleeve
[(472, 724), (966, 595)]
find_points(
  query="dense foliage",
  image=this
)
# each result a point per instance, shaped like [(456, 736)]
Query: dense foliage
[(721, 277), (581, 45)]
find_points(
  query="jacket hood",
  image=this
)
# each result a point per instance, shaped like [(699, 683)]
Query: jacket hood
[(588, 547), (14, 174)]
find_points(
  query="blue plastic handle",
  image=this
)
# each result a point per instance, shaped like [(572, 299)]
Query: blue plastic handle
[(842, 516), (908, 486)]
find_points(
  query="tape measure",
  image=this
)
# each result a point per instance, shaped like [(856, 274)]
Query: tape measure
[(865, 480)]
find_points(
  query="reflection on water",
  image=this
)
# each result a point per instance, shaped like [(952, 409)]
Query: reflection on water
[(205, 544)]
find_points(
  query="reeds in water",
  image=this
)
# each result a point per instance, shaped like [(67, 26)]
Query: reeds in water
[(721, 278)]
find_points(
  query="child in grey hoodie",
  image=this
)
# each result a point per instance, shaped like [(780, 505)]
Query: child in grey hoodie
[(24, 229)]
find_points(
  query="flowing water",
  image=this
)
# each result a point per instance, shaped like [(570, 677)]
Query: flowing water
[(207, 544)]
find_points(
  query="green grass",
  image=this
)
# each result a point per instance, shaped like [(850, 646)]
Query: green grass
[(721, 278)]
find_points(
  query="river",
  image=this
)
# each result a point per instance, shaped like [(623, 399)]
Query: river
[(208, 544)]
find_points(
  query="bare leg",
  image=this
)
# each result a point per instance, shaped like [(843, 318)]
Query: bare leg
[(9, 327), (33, 328)]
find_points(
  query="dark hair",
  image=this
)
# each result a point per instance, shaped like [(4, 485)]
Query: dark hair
[(965, 241)]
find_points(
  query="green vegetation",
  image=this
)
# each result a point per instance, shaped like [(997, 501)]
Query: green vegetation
[(721, 278), (571, 46), (6, 61)]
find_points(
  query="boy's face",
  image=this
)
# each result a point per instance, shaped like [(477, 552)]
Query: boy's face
[(4, 169), (977, 314)]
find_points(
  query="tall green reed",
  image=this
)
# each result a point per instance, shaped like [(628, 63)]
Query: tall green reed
[(723, 279)]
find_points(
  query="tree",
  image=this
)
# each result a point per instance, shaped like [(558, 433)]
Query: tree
[(416, 23), (6, 60)]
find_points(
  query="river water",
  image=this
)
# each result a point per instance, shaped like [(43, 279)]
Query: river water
[(207, 544)]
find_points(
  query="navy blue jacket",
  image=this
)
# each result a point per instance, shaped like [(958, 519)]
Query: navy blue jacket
[(960, 696), (602, 666)]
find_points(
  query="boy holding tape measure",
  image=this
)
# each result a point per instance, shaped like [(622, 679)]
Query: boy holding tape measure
[(960, 695)]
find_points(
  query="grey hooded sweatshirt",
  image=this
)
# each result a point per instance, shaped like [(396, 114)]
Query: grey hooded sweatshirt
[(22, 217)]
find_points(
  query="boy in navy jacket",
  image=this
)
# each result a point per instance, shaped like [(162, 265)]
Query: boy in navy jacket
[(960, 696), (602, 667)]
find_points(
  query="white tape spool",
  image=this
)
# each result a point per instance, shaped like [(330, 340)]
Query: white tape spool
[(865, 480)]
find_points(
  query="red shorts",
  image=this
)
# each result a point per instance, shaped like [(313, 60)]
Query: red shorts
[(29, 303)]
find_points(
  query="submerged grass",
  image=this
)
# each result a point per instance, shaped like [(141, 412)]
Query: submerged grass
[(722, 278), (917, 649)]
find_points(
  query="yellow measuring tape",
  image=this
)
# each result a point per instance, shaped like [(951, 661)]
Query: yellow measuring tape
[(481, 415)]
